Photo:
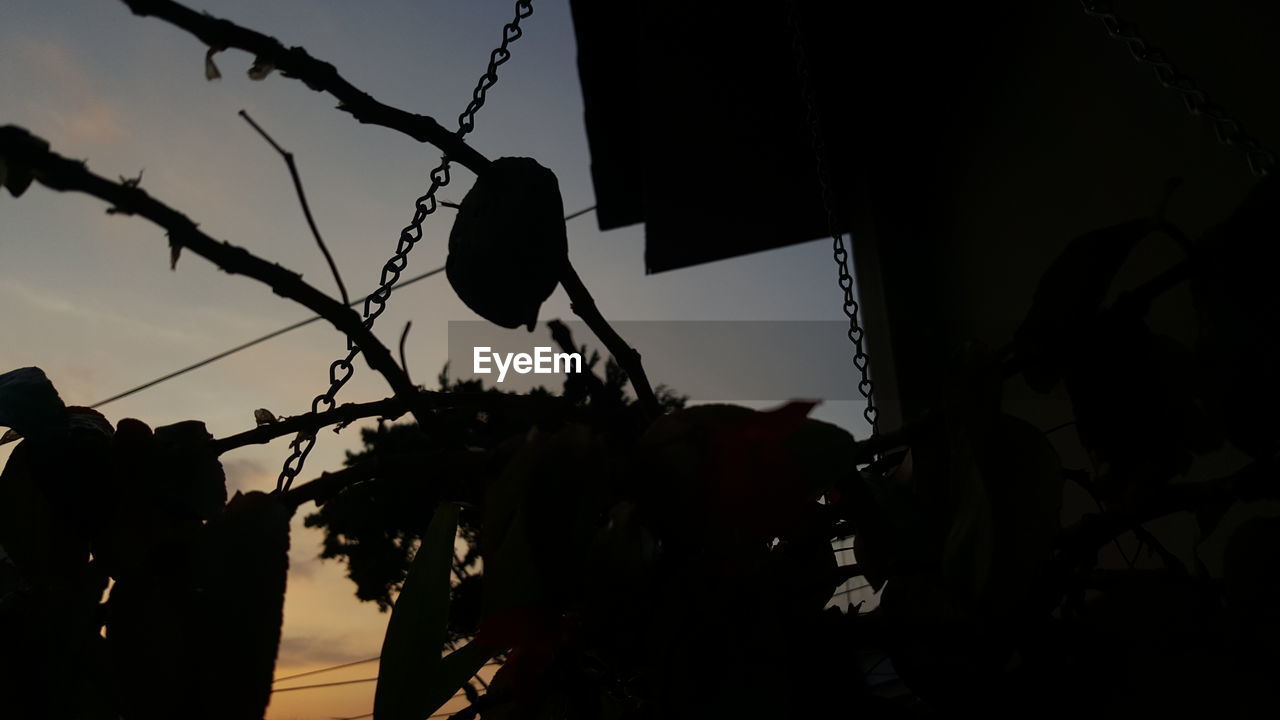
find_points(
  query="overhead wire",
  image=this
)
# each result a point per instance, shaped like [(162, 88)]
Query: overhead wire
[(271, 335)]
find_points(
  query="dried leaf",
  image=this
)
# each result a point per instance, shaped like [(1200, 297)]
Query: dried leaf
[(16, 177), (1069, 294), (175, 251), (261, 69), (508, 244), (10, 436), (263, 416), (211, 71)]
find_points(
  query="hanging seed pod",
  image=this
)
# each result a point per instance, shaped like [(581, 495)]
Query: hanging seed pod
[(247, 556), (508, 242)]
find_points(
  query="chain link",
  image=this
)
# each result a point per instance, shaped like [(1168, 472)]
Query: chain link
[(1229, 132), (342, 369), (861, 361)]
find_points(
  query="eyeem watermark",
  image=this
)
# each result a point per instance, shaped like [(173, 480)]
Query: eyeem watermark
[(708, 361), (541, 362)]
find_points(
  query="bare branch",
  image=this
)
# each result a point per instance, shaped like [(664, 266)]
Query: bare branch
[(584, 306), (390, 408), (20, 148), (302, 199), (316, 74)]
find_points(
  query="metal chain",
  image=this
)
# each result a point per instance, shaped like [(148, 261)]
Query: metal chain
[(1229, 132), (342, 369), (855, 333)]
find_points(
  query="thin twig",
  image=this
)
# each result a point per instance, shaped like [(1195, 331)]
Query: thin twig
[(302, 200), (404, 336), (22, 149), (318, 75)]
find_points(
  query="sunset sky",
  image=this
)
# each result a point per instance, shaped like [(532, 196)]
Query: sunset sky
[(89, 297)]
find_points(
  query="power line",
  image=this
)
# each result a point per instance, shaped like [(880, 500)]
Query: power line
[(324, 685), (274, 334), (447, 713), (243, 346), (491, 663), (325, 670)]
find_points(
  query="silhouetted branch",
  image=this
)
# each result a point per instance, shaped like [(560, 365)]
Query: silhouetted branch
[(389, 408), (584, 306), (389, 466), (302, 200), (327, 485), (562, 336), (22, 149), (318, 75)]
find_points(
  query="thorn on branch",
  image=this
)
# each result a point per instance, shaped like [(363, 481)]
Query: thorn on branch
[(270, 54), (132, 182), (211, 71), (20, 149)]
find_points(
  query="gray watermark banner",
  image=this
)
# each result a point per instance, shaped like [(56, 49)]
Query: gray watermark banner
[(708, 361)]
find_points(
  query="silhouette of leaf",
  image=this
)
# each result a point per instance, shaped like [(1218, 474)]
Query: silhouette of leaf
[(14, 175), (892, 533), (1235, 288), (508, 243), (211, 71), (753, 471), (1068, 295), (1135, 411), (260, 69), (1024, 484), (413, 679)]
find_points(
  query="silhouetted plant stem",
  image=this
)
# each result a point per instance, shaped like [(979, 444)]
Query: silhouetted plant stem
[(316, 74), (563, 337), (306, 208), (19, 147), (584, 306)]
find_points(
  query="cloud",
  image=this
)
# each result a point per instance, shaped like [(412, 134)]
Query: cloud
[(244, 474), (69, 105), (307, 650), (96, 315)]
